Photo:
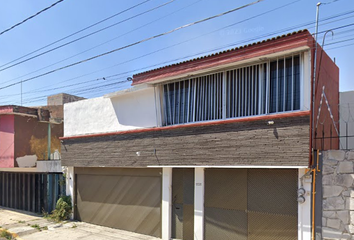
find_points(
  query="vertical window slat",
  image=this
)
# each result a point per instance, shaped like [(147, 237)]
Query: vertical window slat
[(251, 90)]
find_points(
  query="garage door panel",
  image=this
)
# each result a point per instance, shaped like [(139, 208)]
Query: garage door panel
[(125, 202), (233, 183), (254, 204), (266, 226), (225, 224), (188, 222), (277, 186), (123, 190)]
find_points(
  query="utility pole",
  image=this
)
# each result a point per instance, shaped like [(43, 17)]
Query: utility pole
[(314, 75)]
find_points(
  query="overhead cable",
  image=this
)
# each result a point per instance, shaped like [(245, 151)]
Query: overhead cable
[(85, 36), (25, 20), (133, 44), (77, 32)]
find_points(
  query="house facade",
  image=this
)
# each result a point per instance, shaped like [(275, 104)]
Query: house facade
[(211, 148), (30, 166)]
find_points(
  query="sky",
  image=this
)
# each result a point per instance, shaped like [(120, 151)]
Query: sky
[(139, 20)]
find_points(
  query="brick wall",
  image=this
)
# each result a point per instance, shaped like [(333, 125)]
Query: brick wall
[(62, 98), (286, 143)]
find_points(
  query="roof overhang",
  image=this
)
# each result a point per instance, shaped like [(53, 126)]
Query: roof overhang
[(232, 65), (255, 53)]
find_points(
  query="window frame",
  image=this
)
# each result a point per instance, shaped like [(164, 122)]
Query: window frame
[(263, 89)]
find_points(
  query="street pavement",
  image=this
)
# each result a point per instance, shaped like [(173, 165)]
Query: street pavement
[(29, 226)]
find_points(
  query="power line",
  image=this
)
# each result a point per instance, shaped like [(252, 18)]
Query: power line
[(85, 36), (77, 32), (83, 90), (108, 85), (25, 20), (346, 40), (119, 73), (133, 44), (243, 50), (341, 14), (258, 15), (72, 56), (347, 45)]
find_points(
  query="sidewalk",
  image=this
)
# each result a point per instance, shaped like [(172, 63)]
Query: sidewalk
[(28, 226)]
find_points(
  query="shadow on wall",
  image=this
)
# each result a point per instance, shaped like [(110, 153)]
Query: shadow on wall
[(136, 109)]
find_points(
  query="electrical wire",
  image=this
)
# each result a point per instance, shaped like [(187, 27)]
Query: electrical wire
[(74, 33), (283, 30), (160, 63), (258, 15), (116, 74), (135, 43), (25, 20), (293, 27), (85, 36), (83, 90), (270, 44), (101, 44)]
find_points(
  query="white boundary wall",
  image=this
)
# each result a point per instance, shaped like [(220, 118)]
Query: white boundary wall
[(132, 110)]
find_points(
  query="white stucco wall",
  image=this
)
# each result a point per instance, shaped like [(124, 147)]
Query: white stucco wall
[(306, 82), (126, 111)]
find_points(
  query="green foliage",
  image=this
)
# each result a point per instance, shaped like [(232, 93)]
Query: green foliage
[(5, 234), (36, 226), (39, 228), (62, 209), (62, 180)]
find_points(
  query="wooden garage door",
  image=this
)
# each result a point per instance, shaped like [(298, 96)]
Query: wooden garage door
[(127, 199)]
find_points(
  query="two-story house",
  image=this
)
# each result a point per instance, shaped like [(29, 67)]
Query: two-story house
[(30, 167), (211, 148)]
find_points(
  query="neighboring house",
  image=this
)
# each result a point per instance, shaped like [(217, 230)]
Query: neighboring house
[(24, 136), (29, 137), (346, 108), (211, 148)]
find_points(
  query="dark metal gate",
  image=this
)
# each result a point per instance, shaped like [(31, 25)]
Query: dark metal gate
[(183, 203), (34, 192), (250, 204)]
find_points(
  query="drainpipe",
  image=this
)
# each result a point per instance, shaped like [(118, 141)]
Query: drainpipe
[(49, 139)]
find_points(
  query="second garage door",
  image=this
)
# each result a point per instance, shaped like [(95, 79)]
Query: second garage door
[(127, 199), (251, 204)]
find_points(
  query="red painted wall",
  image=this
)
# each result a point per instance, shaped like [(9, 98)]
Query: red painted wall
[(31, 137), (7, 137), (327, 76)]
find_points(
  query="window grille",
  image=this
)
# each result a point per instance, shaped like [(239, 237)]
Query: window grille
[(246, 91)]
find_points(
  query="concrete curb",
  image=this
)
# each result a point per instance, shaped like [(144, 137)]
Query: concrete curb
[(14, 235)]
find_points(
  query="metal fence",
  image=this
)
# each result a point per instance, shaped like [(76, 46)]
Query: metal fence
[(34, 192), (325, 140)]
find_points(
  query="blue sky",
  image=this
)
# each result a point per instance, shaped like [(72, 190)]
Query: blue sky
[(70, 16)]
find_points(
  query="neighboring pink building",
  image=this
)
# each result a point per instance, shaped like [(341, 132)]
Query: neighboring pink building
[(7, 136), (28, 134), (24, 133)]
